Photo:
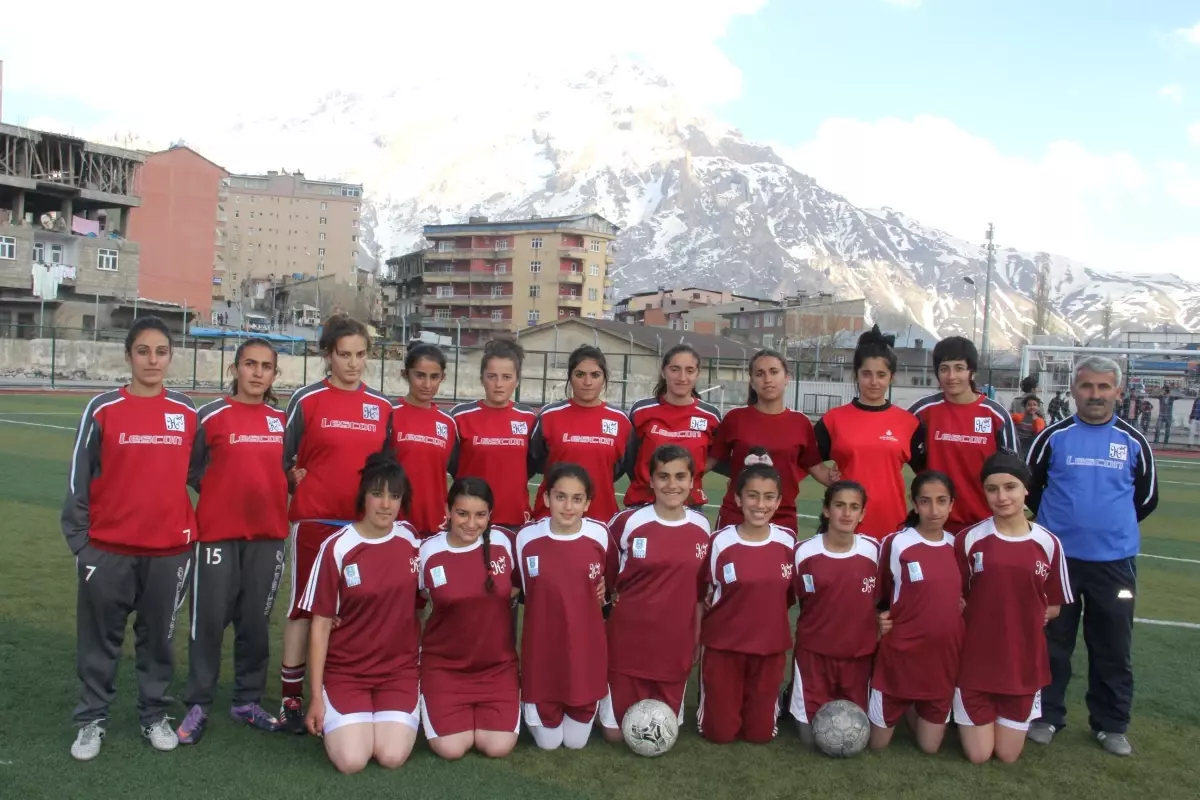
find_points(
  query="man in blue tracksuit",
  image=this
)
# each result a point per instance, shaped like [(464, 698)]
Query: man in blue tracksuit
[(1094, 480)]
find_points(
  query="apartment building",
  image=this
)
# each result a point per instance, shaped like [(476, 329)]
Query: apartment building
[(483, 278), (803, 322), (675, 308)]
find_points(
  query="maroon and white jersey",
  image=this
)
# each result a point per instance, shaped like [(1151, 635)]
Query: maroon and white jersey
[(493, 444), (657, 422), (837, 596), (1008, 583), (330, 432), (237, 467), (920, 582), (596, 438), (752, 592), (564, 652), (660, 573), (422, 439), (371, 586), (468, 648)]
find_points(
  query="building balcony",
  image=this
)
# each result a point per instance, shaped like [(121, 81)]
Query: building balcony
[(570, 277), (570, 301), (608, 283), (445, 300), (466, 253), (491, 300), (468, 323), (467, 277), (573, 253)]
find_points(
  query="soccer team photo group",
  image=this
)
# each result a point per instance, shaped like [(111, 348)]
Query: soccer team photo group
[(433, 601)]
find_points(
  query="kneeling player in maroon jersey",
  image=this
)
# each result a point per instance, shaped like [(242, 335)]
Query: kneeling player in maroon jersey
[(564, 653), (921, 626), (745, 630), (658, 559), (364, 671), (1015, 581), (470, 688), (837, 631)]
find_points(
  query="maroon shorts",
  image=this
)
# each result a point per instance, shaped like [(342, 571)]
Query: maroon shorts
[(1014, 711), (885, 710), (739, 695), (306, 539), (448, 714), (625, 690), (349, 701), (550, 715), (818, 679)]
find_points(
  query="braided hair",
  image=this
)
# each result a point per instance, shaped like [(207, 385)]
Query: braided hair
[(478, 488)]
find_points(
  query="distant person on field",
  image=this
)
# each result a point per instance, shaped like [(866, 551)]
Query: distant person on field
[(1029, 422), (1029, 385), (1194, 422), (1144, 415), (1094, 481), (1166, 414), (1058, 407)]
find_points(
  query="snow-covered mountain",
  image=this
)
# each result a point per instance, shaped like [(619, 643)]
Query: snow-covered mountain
[(698, 204)]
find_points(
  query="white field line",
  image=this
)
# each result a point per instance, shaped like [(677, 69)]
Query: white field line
[(36, 424), (1168, 623), (40, 413), (1169, 558)]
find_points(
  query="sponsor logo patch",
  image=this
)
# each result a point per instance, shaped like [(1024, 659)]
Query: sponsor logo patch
[(175, 423), (729, 574), (352, 576), (519, 428), (983, 424), (1118, 451), (639, 547), (371, 412), (914, 571), (443, 431), (978, 566), (274, 425), (438, 574), (609, 427), (531, 566), (809, 585), (699, 424)]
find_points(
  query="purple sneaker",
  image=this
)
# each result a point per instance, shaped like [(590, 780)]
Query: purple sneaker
[(255, 716), (192, 727)]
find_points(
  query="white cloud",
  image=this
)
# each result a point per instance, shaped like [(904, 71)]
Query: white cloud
[(1193, 132), (1172, 92), (1190, 35)]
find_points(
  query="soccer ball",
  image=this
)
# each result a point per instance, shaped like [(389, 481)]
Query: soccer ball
[(650, 728), (841, 729)]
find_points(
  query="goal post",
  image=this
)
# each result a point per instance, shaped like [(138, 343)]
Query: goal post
[(1054, 365)]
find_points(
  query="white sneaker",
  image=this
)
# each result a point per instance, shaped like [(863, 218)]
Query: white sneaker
[(88, 741), (161, 735)]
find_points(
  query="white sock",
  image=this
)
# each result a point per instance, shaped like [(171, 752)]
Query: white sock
[(548, 738)]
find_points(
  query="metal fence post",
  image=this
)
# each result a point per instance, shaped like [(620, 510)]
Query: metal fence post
[(457, 356), (195, 359), (796, 386), (545, 374), (304, 370), (625, 383), (222, 355), (382, 369), (53, 353)]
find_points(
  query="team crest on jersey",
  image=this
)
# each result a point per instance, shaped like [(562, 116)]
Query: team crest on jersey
[(729, 574), (438, 574), (175, 423), (888, 437), (699, 424), (443, 432), (594, 571), (274, 425), (978, 567), (786, 569), (810, 585), (1041, 569), (701, 550), (609, 427), (868, 585), (914, 571), (531, 566), (519, 427), (352, 576), (983, 424), (371, 412), (639, 547), (1120, 452)]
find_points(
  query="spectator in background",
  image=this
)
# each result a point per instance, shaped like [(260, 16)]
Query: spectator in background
[(1029, 385), (1166, 413), (1058, 408), (1029, 422), (1194, 421), (1144, 413)]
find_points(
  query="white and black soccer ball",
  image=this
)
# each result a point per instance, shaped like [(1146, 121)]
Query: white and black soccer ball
[(841, 729), (650, 728)]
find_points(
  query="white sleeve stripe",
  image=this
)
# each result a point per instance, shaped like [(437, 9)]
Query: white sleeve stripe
[(186, 405), (87, 423), (1063, 574)]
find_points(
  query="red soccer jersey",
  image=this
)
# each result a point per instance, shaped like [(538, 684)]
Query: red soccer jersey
[(871, 445), (921, 583), (791, 442), (837, 597), (660, 574), (493, 444), (371, 586), (959, 437), (423, 439), (238, 470), (127, 491), (655, 423), (752, 592), (1008, 582), (330, 432), (594, 437), (564, 653), (468, 648)]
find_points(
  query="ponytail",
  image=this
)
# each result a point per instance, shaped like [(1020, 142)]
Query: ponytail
[(478, 488), (488, 583)]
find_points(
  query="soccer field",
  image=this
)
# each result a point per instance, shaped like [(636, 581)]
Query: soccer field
[(38, 691)]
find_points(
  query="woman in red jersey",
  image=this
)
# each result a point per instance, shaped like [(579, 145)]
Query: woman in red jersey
[(470, 687), (423, 437), (493, 435), (332, 426), (364, 671), (745, 631), (657, 557), (674, 415), (132, 547), (870, 439), (583, 430), (1015, 581), (242, 517), (765, 422), (564, 652), (836, 631), (921, 626)]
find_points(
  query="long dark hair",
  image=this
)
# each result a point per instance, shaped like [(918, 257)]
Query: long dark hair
[(336, 328), (874, 344), (502, 348), (478, 488), (586, 352), (761, 469), (255, 341), (143, 324), (923, 479), (424, 350), (565, 469), (660, 388), (382, 471), (831, 492), (957, 348), (766, 352), (666, 453)]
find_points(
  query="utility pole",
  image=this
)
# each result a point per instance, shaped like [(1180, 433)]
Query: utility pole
[(987, 292)]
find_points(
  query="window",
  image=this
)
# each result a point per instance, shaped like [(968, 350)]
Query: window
[(320, 236), (354, 238), (446, 245), (687, 326), (355, 207), (535, 291), (251, 199), (497, 315), (595, 245), (500, 268), (349, 191), (593, 294), (89, 322), (441, 313), (446, 268), (536, 243), (106, 260), (695, 295), (533, 316), (251, 215), (320, 251), (445, 291), (535, 266), (325, 205), (39, 252), (252, 231), (8, 247), (576, 267), (497, 291), (500, 244), (768, 340), (322, 220), (594, 270)]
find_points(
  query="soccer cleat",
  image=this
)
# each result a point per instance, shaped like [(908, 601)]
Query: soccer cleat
[(193, 726), (88, 741), (255, 716), (1041, 732), (291, 716), (1114, 743), (161, 735)]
